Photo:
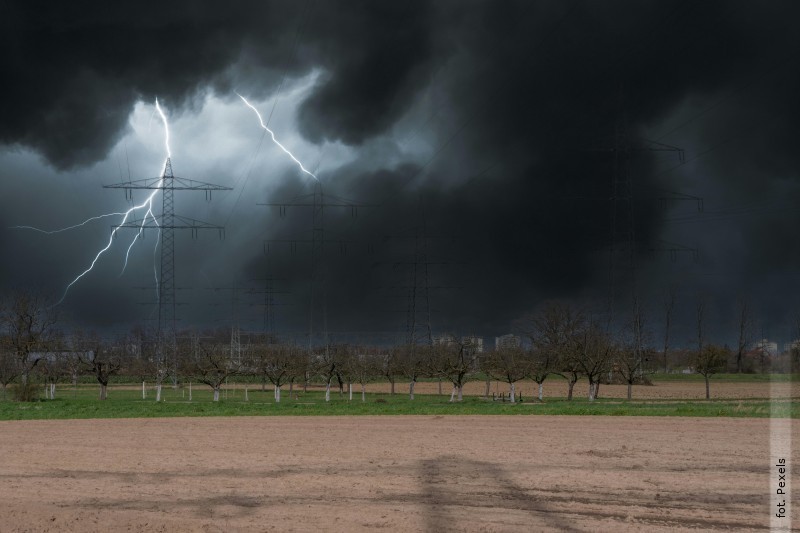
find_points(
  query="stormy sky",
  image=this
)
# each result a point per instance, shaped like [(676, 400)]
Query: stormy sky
[(485, 140)]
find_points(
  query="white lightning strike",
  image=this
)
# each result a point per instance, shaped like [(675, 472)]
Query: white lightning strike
[(149, 200), (272, 134), (68, 227), (147, 203)]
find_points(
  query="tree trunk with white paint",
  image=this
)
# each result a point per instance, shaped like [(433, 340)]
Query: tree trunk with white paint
[(541, 391), (513, 396), (350, 386), (328, 391), (158, 392), (363, 393), (278, 395), (52, 391), (460, 392), (453, 393), (216, 394), (411, 389)]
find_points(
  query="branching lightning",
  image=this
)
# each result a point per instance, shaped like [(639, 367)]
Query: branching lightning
[(68, 227), (272, 134), (148, 203)]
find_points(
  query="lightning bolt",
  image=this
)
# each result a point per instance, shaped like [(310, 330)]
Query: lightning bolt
[(148, 203), (272, 134), (50, 232)]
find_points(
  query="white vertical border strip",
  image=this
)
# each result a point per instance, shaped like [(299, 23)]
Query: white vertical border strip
[(780, 448)]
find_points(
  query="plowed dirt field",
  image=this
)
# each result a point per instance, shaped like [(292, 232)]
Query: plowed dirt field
[(401, 473)]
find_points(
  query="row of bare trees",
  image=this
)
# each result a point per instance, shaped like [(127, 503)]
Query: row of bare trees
[(559, 340)]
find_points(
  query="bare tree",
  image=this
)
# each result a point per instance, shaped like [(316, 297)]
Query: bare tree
[(411, 360), (302, 368), (362, 366), (570, 367), (794, 352), (669, 305), (709, 361), (28, 325), (9, 367), (213, 364), (278, 363), (98, 358), (745, 323), (700, 311), (541, 363), (595, 351), (631, 358), (451, 361), (52, 368), (632, 363), (345, 368), (551, 329), (508, 364), (391, 368)]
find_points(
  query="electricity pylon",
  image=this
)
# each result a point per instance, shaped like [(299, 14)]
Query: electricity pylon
[(623, 244), (317, 201), (166, 224)]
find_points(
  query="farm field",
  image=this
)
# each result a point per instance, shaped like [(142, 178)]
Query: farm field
[(674, 389), (414, 473), (679, 397)]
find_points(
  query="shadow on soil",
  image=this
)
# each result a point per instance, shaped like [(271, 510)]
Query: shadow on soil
[(450, 483)]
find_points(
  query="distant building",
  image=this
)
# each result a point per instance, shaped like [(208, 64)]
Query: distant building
[(789, 346), (473, 344), (507, 341), (444, 339), (473, 347), (769, 348)]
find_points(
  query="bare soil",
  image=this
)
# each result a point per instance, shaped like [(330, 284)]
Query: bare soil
[(556, 387), (431, 473)]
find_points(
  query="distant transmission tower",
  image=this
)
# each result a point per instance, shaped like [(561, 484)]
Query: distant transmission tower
[(418, 328), (419, 289), (268, 304), (166, 224), (623, 243), (318, 303)]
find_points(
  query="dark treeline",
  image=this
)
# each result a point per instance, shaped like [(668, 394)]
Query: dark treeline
[(557, 339)]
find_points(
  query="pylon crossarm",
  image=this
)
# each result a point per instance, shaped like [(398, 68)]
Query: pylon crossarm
[(181, 184)]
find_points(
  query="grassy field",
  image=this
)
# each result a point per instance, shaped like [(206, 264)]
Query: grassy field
[(127, 402)]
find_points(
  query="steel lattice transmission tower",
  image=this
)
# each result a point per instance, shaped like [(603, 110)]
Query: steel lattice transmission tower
[(419, 289), (624, 147), (166, 224), (418, 328), (318, 301)]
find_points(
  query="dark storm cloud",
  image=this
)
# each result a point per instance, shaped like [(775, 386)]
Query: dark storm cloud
[(78, 68), (522, 98)]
